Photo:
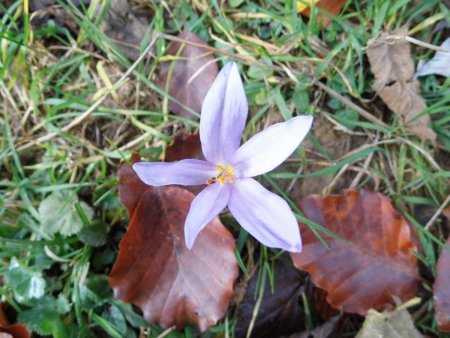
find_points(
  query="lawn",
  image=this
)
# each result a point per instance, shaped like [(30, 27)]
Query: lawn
[(90, 87)]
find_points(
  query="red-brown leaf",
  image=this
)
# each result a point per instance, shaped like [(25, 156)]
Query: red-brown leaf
[(184, 146), (377, 261), (171, 284), (331, 6), (16, 330), (192, 75), (441, 289)]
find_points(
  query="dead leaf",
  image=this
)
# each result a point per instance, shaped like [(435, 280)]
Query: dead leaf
[(280, 312), (184, 146), (155, 270), (391, 63), (16, 330), (193, 74), (322, 306), (371, 262), (126, 27), (396, 324), (331, 6), (322, 331), (439, 64), (441, 289), (46, 11)]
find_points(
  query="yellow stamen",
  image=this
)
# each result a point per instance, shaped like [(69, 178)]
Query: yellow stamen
[(225, 175)]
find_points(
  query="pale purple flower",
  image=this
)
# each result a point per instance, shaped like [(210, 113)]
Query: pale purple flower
[(228, 168)]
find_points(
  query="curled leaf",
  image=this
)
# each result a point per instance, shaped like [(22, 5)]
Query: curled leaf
[(441, 289), (371, 259), (155, 271)]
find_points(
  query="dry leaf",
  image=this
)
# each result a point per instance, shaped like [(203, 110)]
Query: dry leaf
[(396, 324), (331, 6), (15, 330), (185, 146), (372, 261), (125, 27), (391, 63), (322, 331), (441, 289), (192, 75), (280, 311), (155, 271)]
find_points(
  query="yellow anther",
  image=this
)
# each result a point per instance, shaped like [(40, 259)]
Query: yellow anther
[(225, 175)]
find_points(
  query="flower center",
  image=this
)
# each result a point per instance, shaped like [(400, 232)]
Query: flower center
[(226, 175)]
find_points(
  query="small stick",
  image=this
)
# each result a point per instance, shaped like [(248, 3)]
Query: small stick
[(437, 213)]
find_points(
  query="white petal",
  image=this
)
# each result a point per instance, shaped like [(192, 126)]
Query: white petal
[(266, 216), (268, 149), (184, 172), (223, 117), (204, 208)]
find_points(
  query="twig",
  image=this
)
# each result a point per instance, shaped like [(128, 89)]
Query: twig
[(437, 213), (350, 104), (166, 332)]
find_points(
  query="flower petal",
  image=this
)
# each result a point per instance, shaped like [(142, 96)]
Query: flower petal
[(223, 117), (264, 215), (269, 148), (184, 172), (204, 208)]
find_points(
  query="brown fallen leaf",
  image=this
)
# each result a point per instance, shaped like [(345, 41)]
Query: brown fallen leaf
[(322, 306), (441, 289), (193, 74), (126, 27), (395, 324), (331, 6), (391, 63), (186, 146), (371, 262), (323, 331), (280, 310), (16, 330), (172, 285)]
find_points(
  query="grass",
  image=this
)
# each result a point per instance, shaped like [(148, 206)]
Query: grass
[(74, 107)]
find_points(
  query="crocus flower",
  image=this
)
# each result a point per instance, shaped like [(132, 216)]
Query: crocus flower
[(229, 167)]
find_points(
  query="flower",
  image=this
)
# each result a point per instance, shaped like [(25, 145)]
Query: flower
[(229, 167)]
